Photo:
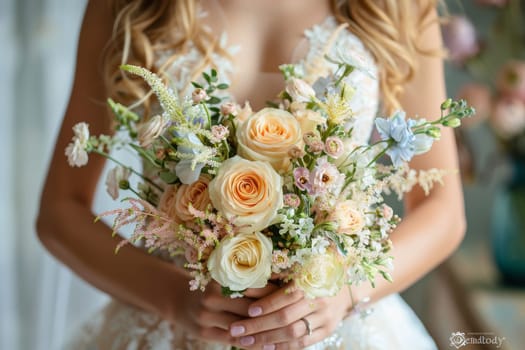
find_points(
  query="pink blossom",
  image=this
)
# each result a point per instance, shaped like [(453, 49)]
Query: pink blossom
[(316, 147), (508, 117), (292, 200), (499, 3), (387, 211), (334, 146), (460, 38), (325, 177), (302, 179), (311, 137), (511, 80), (219, 132), (296, 152), (229, 108), (198, 95)]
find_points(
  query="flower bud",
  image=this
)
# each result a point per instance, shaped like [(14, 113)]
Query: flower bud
[(123, 184), (434, 132), (198, 95), (453, 123), (446, 105), (299, 90), (229, 108)]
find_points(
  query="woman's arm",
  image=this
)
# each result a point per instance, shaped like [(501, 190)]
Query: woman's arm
[(432, 229), (66, 224)]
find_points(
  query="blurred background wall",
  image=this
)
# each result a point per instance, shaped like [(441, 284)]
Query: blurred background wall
[(41, 301)]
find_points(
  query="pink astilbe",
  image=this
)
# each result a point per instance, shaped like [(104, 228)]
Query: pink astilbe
[(153, 226)]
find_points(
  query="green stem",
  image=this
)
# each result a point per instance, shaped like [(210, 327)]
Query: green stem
[(208, 115), (380, 154), (106, 155), (163, 138)]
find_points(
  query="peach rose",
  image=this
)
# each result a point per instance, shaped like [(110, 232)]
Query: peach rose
[(168, 201), (195, 194), (247, 192), (176, 199), (242, 261), (268, 136), (350, 220)]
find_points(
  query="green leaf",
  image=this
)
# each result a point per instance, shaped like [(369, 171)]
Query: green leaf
[(213, 100), (206, 77), (226, 291), (147, 155), (222, 86), (168, 177)]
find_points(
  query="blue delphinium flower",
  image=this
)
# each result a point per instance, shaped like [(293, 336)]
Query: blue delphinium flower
[(405, 143), (187, 170)]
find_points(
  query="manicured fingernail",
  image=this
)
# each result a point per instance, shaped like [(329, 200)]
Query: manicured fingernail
[(254, 311), (237, 330), (269, 347), (247, 341)]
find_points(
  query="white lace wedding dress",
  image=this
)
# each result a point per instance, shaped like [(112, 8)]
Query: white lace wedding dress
[(391, 325)]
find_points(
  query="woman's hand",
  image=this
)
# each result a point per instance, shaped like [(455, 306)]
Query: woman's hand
[(208, 315), (281, 320)]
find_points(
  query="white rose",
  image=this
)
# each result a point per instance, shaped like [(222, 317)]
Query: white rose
[(321, 275), (247, 192), (242, 261)]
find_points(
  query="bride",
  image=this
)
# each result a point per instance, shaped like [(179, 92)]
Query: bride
[(397, 43)]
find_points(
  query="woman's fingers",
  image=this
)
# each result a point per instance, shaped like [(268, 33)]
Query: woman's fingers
[(278, 319), (277, 300), (318, 335), (301, 328), (222, 320), (213, 299), (257, 293)]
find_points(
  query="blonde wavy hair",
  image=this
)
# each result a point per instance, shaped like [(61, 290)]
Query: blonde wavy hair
[(145, 28)]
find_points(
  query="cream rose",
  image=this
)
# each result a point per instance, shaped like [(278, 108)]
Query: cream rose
[(321, 275), (349, 219), (242, 261), (308, 119), (268, 135), (247, 192)]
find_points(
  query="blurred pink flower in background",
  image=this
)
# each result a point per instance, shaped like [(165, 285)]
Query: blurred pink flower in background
[(459, 36), (478, 96), (511, 80), (508, 117), (500, 3)]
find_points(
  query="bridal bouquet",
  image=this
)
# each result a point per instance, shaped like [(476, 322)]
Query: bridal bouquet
[(284, 193)]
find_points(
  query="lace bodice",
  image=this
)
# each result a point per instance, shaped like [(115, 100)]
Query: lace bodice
[(326, 38)]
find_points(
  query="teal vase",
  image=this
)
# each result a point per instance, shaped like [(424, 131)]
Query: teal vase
[(508, 227)]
